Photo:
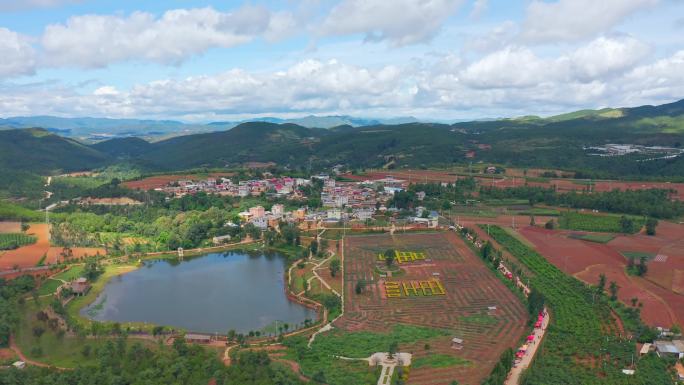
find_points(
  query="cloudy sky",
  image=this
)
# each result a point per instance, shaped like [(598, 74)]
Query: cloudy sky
[(433, 59)]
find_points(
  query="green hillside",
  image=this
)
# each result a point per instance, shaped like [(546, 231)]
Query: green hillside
[(38, 151), (557, 142)]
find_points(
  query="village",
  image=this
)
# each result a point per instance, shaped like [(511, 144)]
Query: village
[(355, 203)]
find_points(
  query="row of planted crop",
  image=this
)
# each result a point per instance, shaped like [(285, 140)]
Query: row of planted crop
[(578, 316)]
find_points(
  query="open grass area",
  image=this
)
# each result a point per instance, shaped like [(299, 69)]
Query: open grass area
[(319, 361), (72, 273), (49, 287), (52, 347), (51, 284), (437, 360), (598, 238)]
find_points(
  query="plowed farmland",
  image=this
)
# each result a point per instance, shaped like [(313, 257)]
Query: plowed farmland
[(159, 181), (662, 306), (469, 289), (31, 255)]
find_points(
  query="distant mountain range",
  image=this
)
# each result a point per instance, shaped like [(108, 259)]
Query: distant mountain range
[(555, 142), (97, 129)]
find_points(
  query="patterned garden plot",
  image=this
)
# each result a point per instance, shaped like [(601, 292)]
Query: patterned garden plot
[(469, 288)]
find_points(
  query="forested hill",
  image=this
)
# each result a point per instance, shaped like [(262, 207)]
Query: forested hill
[(38, 151), (558, 142)]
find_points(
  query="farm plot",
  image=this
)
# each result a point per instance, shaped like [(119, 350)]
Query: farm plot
[(41, 252), (666, 267), (607, 223), (583, 333), (30, 255), (159, 181), (444, 287), (10, 227), (587, 260), (11, 241)]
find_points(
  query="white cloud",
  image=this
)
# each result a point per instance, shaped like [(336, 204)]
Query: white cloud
[(479, 7), (572, 20), (400, 22), (604, 56), (512, 81), (516, 66), (18, 56), (659, 81), (509, 67), (18, 5), (92, 41)]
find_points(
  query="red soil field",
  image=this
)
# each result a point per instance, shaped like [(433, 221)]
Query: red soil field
[(668, 241), (470, 288), (29, 256), (160, 181), (412, 176), (515, 180), (587, 260)]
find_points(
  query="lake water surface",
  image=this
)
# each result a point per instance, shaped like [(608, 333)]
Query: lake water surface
[(211, 293)]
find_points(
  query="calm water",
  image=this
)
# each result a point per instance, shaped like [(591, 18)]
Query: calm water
[(212, 293)]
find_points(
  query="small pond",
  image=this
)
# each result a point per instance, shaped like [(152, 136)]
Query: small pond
[(212, 293)]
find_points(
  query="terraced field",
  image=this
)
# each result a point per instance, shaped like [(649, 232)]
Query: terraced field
[(469, 290)]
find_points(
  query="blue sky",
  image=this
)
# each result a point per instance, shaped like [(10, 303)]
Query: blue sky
[(433, 59)]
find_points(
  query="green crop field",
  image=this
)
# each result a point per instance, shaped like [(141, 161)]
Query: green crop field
[(598, 223), (542, 212), (582, 330), (638, 254), (15, 240)]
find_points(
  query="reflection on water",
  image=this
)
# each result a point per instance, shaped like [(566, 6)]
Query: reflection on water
[(212, 293)]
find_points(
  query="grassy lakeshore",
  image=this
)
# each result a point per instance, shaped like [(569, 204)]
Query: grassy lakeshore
[(74, 307), (54, 347)]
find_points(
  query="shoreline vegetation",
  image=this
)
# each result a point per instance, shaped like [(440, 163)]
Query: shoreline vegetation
[(81, 327), (112, 271)]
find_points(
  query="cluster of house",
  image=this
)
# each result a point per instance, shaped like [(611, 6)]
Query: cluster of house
[(282, 187), (668, 348)]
